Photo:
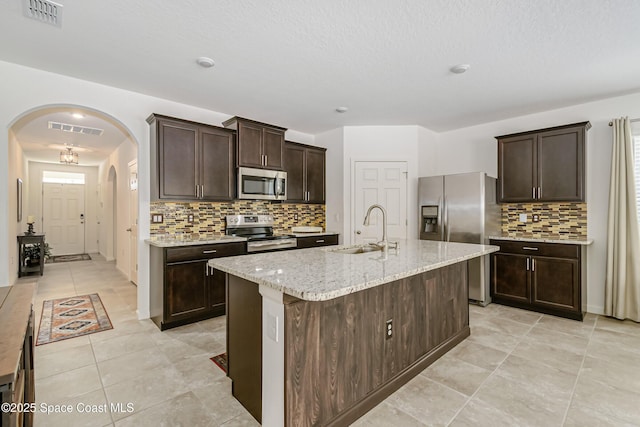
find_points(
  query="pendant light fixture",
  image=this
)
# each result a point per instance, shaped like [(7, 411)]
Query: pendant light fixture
[(69, 157)]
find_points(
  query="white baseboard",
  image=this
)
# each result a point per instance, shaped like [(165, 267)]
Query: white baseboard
[(595, 309)]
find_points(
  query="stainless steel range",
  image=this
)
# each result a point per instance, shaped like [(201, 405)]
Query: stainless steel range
[(258, 229)]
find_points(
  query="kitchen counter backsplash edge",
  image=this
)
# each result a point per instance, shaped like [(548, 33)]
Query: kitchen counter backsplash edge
[(209, 217)]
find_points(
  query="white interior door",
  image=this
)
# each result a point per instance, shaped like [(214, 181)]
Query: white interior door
[(383, 183), (133, 221), (63, 217)]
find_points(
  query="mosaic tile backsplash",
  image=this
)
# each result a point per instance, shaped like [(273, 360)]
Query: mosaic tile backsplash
[(208, 217), (561, 220)]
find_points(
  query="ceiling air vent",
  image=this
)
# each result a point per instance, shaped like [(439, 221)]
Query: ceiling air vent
[(43, 11), (65, 127)]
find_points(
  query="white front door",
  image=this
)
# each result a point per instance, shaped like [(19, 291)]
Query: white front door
[(383, 183), (133, 221), (63, 217)]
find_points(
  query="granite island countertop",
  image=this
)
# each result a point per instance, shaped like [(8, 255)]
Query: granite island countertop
[(320, 274)]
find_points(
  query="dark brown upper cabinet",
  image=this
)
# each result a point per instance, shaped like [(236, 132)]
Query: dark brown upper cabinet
[(545, 165), (191, 161), (260, 145), (305, 167)]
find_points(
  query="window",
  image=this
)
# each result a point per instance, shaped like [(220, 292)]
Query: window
[(62, 177)]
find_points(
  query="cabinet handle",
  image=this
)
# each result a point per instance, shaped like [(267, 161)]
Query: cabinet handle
[(527, 264), (266, 160), (320, 241), (533, 192), (212, 251), (197, 191), (533, 264), (538, 192), (202, 191), (529, 248), (206, 269)]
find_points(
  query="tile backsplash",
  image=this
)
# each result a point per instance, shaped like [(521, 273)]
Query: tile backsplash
[(563, 220), (209, 217)]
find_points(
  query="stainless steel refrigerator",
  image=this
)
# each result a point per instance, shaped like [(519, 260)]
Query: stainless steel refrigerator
[(461, 208)]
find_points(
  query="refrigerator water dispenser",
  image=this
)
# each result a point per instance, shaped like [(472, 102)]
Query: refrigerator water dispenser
[(429, 220)]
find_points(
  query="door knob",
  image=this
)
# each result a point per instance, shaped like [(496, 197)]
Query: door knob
[(358, 232), (128, 229)]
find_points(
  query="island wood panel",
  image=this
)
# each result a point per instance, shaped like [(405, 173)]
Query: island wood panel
[(339, 363), (244, 343)]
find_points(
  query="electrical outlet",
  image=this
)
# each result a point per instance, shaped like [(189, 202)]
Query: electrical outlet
[(522, 217), (535, 218), (295, 216), (389, 329), (190, 218)]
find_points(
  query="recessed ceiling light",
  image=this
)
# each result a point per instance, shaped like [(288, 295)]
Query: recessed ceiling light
[(459, 69), (205, 62), (342, 109), (77, 116)]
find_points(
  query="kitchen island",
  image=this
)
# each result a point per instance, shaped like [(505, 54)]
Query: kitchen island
[(320, 336)]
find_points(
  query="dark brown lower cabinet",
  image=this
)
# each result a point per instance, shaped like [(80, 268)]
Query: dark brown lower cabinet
[(183, 287), (545, 277), (316, 241)]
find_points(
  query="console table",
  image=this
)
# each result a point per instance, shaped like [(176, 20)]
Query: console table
[(24, 241)]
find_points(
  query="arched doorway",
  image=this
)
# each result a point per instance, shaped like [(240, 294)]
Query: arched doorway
[(104, 147)]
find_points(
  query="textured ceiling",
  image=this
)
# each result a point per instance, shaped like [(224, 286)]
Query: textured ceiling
[(291, 63)]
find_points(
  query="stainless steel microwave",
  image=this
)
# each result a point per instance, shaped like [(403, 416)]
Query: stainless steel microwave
[(262, 184)]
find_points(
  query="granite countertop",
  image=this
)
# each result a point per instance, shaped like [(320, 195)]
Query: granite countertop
[(320, 274), (545, 239), (192, 240)]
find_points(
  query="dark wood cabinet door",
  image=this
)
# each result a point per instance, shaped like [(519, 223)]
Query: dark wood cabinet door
[(517, 173), (186, 292), (561, 165), (249, 145), (177, 153), (315, 176), (555, 283), (272, 145), (217, 168), (294, 166), (510, 277), (217, 288)]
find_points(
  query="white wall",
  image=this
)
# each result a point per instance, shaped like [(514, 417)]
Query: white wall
[(381, 143), (26, 89), (427, 152), (333, 141), (18, 170), (90, 199), (474, 148), (119, 159)]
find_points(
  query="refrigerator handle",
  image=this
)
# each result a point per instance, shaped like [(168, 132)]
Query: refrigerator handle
[(441, 217), (446, 220)]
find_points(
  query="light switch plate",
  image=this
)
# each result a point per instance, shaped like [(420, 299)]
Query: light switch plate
[(523, 217), (272, 327)]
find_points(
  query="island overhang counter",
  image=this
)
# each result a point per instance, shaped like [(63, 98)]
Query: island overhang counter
[(319, 337)]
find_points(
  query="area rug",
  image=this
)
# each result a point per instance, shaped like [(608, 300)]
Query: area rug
[(221, 361), (67, 258), (72, 317)]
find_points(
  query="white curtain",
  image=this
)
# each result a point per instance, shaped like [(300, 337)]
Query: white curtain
[(622, 293)]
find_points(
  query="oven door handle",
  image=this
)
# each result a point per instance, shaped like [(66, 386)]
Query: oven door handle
[(273, 243)]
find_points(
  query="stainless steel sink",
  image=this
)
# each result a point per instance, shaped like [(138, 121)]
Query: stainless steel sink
[(357, 250)]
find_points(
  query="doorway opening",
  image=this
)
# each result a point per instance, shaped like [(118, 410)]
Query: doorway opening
[(63, 211)]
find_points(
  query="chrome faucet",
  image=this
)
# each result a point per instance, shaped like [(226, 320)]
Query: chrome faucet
[(383, 244)]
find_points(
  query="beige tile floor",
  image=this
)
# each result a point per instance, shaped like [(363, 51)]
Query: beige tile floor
[(518, 368)]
